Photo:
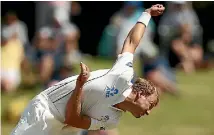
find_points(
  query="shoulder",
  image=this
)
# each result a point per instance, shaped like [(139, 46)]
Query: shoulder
[(123, 71), (125, 54), (124, 62), (127, 75)]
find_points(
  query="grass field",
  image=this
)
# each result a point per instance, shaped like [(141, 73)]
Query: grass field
[(190, 114)]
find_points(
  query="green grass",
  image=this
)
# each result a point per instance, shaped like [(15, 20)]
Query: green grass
[(190, 114)]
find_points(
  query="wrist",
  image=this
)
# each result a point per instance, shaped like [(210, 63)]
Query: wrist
[(145, 18), (148, 11)]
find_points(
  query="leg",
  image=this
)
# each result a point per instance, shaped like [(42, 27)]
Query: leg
[(196, 53), (46, 68), (10, 80), (37, 120), (181, 51)]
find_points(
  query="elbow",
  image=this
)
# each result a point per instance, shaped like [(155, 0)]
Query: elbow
[(70, 117), (72, 121), (82, 122), (76, 123), (68, 120)]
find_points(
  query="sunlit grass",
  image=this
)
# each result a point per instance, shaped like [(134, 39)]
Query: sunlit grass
[(190, 114)]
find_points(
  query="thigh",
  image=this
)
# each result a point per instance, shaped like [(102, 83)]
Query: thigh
[(47, 125), (37, 120)]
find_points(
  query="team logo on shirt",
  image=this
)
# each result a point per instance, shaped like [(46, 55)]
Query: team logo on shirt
[(129, 64), (111, 91), (104, 118)]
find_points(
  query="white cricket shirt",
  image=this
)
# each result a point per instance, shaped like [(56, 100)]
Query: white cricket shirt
[(103, 89)]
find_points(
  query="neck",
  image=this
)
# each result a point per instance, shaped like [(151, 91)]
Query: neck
[(127, 103)]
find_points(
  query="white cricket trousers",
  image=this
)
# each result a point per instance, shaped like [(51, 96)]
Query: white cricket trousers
[(41, 118)]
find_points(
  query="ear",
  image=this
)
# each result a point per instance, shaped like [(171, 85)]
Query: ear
[(138, 95)]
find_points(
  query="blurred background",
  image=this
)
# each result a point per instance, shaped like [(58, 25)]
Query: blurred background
[(43, 43)]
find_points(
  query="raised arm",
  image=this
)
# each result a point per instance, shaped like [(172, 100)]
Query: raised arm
[(136, 33), (73, 115)]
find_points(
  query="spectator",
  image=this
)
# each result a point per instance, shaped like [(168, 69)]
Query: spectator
[(12, 54), (108, 44), (56, 16), (68, 34), (180, 33), (47, 10), (71, 40), (13, 23), (51, 55), (57, 43), (48, 55)]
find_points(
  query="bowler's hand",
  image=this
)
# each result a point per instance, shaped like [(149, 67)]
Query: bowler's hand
[(84, 75), (156, 10)]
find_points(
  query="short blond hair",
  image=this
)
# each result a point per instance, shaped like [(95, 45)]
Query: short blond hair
[(146, 88)]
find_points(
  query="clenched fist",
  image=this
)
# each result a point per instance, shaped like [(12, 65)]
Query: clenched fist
[(156, 10)]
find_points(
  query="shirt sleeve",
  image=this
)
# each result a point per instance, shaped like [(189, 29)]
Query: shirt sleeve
[(124, 61)]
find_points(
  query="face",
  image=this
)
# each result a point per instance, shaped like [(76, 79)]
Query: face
[(143, 105), (11, 19)]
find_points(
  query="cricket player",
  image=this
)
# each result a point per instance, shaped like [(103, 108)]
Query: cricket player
[(93, 100)]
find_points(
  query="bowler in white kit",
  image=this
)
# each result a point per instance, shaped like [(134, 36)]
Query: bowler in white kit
[(93, 100)]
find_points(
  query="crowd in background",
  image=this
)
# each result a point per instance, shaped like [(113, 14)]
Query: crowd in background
[(55, 46), (54, 50), (180, 44)]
